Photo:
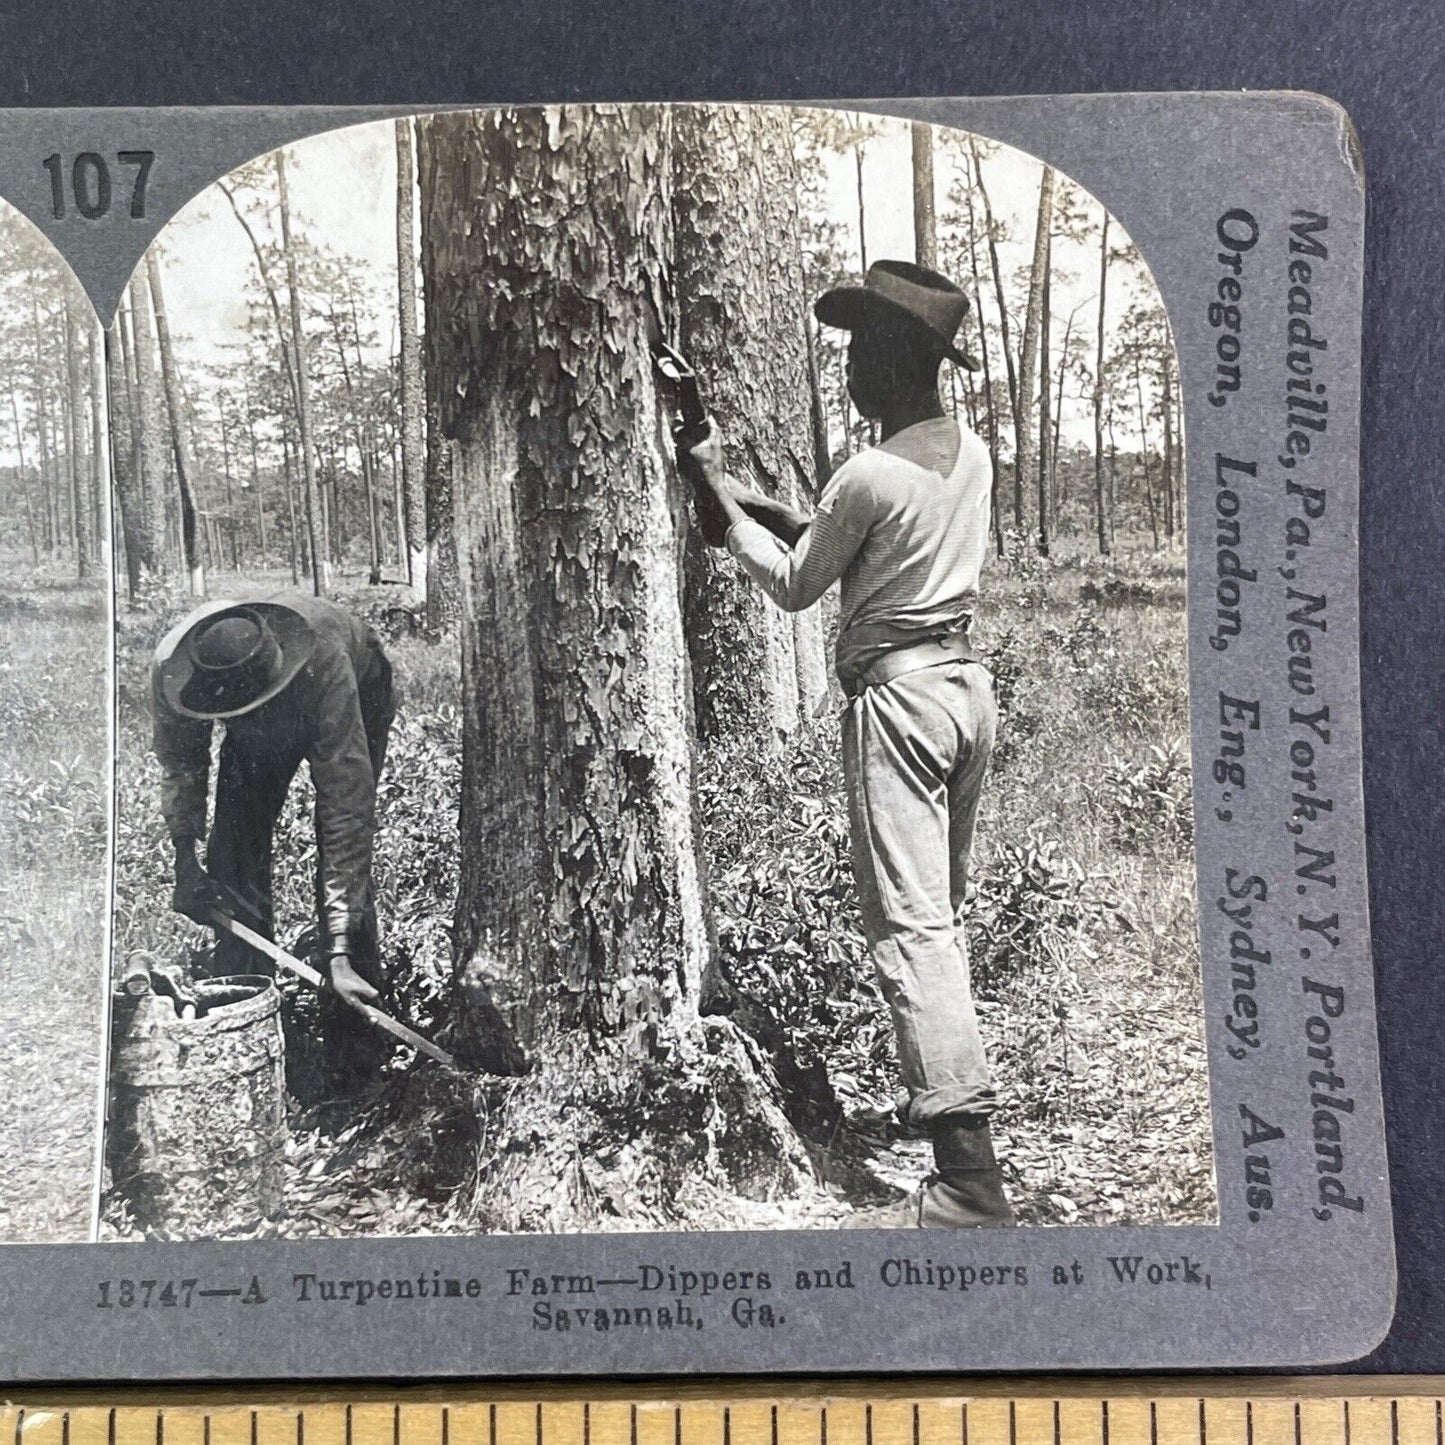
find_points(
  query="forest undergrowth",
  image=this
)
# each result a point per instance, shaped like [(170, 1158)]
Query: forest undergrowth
[(52, 899), (1081, 926)]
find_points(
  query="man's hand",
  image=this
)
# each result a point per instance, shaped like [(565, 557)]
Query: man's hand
[(346, 983), (707, 455), (170, 982), (712, 491), (196, 894)]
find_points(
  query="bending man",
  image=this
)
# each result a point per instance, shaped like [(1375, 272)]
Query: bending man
[(905, 527), (291, 677)]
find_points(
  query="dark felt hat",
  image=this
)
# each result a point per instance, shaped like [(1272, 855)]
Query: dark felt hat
[(897, 291), (232, 658)]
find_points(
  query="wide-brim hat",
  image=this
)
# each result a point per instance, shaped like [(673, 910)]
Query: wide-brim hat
[(900, 292), (228, 659)]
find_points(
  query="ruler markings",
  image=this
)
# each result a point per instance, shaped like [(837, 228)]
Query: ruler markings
[(1359, 1418)]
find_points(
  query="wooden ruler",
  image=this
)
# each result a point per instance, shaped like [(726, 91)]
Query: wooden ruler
[(1214, 1411)]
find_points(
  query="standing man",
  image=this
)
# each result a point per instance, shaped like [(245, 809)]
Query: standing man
[(905, 527), (292, 677)]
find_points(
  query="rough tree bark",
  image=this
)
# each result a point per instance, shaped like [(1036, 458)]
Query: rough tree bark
[(442, 601), (581, 929), (315, 523), (757, 672), (150, 424), (413, 461), (180, 445)]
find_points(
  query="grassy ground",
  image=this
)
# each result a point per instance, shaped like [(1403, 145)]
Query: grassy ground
[(1081, 926), (1082, 930), (53, 785)]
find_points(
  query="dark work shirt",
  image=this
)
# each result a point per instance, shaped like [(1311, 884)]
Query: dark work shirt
[(317, 716)]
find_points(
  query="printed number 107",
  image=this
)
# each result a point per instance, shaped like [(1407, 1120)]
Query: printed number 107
[(90, 185)]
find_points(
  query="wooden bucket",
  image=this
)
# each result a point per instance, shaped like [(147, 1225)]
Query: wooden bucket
[(197, 1138)]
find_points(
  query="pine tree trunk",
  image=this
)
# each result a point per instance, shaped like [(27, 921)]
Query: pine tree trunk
[(293, 532), (862, 217), (817, 413), (32, 531), (362, 452), (1015, 403), (180, 445), (1027, 436), (256, 487), (1166, 392), (581, 923), (741, 323), (1100, 520), (1056, 498), (123, 461), (47, 485), (413, 460), (233, 524), (1044, 379), (1144, 451), (442, 598), (77, 415), (150, 425), (315, 523), (990, 411), (925, 228), (95, 340), (127, 425)]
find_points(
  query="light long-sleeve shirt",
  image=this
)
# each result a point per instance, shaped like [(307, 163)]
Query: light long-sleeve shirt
[(905, 528), (318, 716)]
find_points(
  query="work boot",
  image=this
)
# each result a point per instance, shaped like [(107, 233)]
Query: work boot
[(965, 1191), (967, 1187)]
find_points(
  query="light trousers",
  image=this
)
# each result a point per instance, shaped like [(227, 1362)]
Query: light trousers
[(915, 751)]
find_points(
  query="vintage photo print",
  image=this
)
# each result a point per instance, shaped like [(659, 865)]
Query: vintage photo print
[(54, 740), (614, 810), (697, 690)]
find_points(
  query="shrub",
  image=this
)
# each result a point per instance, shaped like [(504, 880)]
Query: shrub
[(1031, 906), (1150, 807)]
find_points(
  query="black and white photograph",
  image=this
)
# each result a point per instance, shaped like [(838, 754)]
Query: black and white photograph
[(54, 740), (652, 690)]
